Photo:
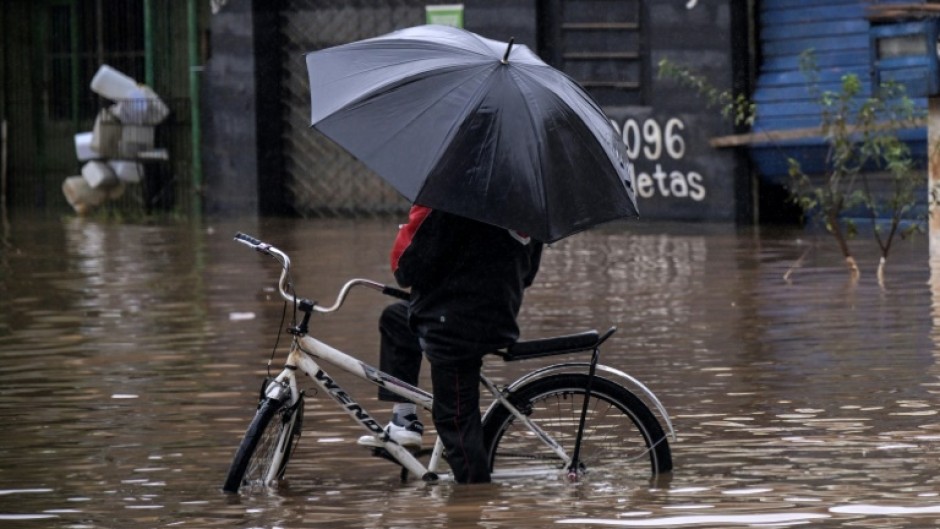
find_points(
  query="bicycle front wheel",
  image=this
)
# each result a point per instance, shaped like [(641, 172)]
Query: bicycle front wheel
[(621, 435), (265, 449)]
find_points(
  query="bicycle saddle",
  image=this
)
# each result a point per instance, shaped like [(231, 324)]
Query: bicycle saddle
[(569, 343)]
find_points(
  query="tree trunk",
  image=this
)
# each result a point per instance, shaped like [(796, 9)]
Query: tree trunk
[(881, 271), (853, 267), (843, 245)]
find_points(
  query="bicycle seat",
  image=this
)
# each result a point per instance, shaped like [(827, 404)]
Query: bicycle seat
[(569, 343)]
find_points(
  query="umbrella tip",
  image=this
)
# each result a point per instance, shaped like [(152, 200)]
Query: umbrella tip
[(508, 49)]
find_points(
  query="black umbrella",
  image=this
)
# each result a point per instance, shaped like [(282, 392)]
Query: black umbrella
[(475, 127)]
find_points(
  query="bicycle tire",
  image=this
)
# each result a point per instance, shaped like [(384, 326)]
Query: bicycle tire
[(264, 444), (619, 429)]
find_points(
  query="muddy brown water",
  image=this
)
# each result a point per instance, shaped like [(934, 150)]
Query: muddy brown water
[(131, 355)]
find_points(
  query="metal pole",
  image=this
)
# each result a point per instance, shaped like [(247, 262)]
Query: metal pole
[(3, 185), (194, 70), (74, 64), (148, 43), (933, 175), (3, 164)]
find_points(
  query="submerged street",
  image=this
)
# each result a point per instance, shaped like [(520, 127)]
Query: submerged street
[(131, 357)]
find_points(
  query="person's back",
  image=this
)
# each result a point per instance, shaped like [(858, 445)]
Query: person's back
[(467, 280)]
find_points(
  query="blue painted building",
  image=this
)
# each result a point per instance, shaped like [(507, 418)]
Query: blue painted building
[(876, 40)]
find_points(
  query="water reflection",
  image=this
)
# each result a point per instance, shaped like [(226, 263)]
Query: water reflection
[(130, 357)]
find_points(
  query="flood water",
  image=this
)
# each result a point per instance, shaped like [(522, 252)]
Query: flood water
[(131, 356)]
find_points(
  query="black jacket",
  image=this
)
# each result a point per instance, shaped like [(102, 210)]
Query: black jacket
[(467, 280)]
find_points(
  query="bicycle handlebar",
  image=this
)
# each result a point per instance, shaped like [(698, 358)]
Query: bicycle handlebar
[(269, 250)]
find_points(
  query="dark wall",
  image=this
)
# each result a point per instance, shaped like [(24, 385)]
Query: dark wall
[(691, 180), (269, 56), (679, 175), (502, 19), (242, 153), (230, 141)]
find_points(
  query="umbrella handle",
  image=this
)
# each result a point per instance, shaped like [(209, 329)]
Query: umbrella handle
[(508, 48)]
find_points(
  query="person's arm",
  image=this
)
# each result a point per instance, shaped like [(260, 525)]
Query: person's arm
[(535, 259), (420, 247)]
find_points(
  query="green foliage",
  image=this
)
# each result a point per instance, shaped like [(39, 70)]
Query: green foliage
[(861, 135), (738, 108)]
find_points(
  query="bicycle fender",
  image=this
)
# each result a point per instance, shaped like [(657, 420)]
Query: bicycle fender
[(575, 367)]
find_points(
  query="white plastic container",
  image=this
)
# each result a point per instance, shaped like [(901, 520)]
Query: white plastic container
[(112, 84), (83, 148), (99, 175), (127, 171), (142, 107), (134, 139), (106, 135), (80, 195)]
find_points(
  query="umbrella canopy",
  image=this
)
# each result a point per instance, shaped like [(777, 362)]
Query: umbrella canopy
[(475, 127)]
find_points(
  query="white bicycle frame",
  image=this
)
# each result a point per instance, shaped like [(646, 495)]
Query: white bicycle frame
[(303, 357), (306, 351)]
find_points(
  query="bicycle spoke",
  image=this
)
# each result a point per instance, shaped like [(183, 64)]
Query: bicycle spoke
[(620, 435)]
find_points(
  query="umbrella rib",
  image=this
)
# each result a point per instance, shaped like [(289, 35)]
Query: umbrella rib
[(471, 102), (435, 116), (563, 104), (535, 125), (390, 82), (416, 116)]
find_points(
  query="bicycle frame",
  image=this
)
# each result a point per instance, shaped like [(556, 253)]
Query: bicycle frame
[(306, 352)]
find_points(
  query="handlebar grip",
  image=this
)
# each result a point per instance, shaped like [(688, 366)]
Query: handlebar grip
[(247, 238), (396, 292)]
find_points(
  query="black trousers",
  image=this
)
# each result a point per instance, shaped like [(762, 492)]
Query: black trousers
[(456, 388)]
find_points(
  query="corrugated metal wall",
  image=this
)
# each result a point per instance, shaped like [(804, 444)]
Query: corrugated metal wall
[(839, 34)]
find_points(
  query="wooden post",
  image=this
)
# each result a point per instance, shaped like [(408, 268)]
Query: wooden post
[(933, 175), (3, 163)]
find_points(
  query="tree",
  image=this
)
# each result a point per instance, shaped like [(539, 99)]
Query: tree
[(861, 136)]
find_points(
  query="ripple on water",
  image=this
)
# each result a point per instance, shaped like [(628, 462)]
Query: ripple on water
[(131, 357)]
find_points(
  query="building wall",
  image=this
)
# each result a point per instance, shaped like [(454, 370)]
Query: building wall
[(840, 34), (230, 113), (679, 175), (49, 52), (666, 128)]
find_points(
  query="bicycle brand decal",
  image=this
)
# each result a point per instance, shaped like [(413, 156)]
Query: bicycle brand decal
[(372, 374), (351, 405)]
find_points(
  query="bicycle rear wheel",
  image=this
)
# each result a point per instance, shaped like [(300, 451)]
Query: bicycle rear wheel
[(621, 434), (268, 443)]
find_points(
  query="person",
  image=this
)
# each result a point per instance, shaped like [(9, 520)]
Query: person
[(467, 280)]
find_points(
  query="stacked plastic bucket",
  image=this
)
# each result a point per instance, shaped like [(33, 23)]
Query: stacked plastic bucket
[(122, 136)]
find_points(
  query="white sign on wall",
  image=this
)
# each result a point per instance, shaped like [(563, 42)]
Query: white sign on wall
[(659, 145)]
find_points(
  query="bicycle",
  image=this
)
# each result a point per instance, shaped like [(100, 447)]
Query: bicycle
[(571, 418)]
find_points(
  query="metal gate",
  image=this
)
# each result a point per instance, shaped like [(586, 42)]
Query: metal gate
[(323, 179), (50, 50)]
